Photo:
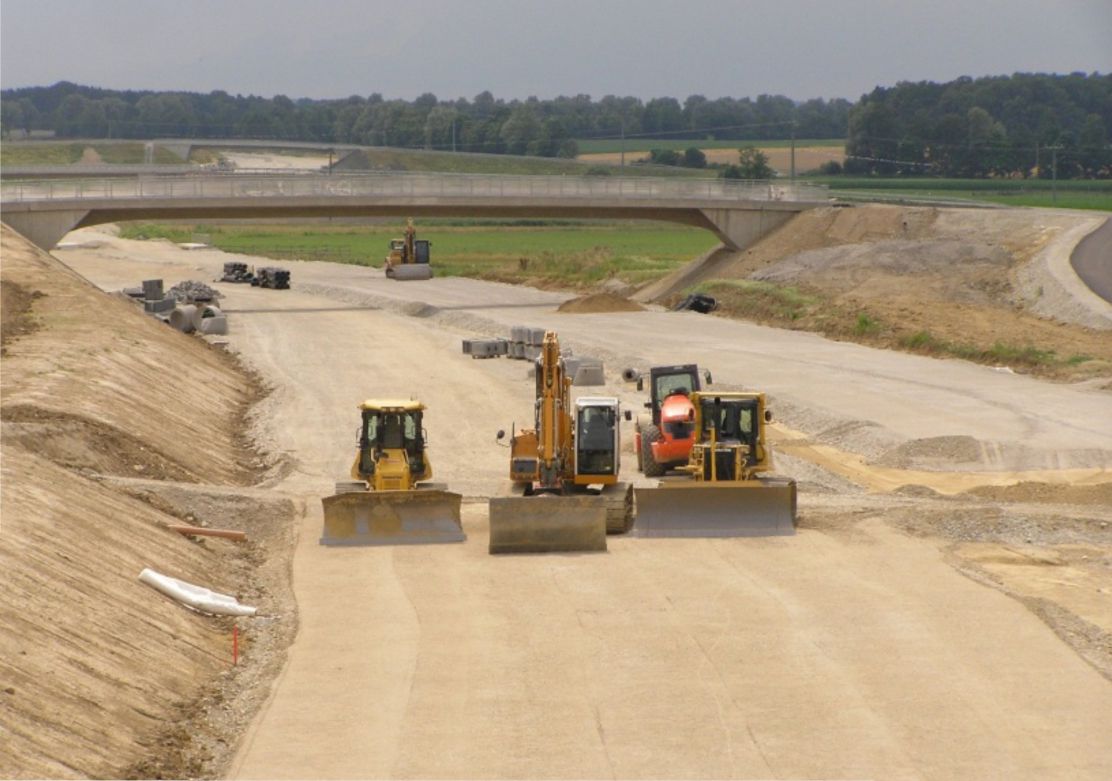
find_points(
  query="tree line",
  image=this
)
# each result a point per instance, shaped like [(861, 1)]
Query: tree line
[(482, 124), (1007, 126)]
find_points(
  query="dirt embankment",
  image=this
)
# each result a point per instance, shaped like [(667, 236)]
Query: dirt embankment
[(949, 282), (100, 676)]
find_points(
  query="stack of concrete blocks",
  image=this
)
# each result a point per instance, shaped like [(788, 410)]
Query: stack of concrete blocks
[(584, 371), (155, 302), (485, 348), (525, 343)]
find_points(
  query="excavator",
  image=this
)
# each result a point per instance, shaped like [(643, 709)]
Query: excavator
[(409, 256), (389, 501), (725, 489), (565, 469)]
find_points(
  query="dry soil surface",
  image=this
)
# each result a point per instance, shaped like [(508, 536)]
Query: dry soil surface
[(926, 621), (807, 158)]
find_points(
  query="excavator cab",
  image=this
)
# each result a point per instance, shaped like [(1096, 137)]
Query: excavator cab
[(389, 501), (597, 443)]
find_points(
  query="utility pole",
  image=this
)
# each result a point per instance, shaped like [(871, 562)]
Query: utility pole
[(793, 152), (623, 165), (1054, 174)]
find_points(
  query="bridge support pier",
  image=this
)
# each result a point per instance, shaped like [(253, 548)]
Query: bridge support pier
[(739, 228), (44, 228)]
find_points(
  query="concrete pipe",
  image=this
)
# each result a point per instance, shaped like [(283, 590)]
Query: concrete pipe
[(201, 311), (182, 318), (630, 375)]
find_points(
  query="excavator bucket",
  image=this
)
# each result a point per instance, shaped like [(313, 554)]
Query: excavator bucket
[(750, 508), (547, 524), (392, 518), (409, 271)]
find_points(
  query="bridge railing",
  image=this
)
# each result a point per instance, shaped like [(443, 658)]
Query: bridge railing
[(407, 184)]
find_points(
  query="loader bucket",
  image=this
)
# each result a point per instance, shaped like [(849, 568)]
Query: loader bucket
[(405, 271), (392, 518), (547, 524), (688, 508)]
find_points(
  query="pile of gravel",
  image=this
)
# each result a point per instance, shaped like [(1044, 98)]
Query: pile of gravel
[(193, 290)]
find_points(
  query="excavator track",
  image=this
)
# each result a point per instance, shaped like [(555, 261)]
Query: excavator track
[(619, 508)]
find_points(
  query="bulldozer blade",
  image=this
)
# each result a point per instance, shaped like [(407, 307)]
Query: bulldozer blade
[(409, 271), (547, 524), (750, 508), (392, 518)]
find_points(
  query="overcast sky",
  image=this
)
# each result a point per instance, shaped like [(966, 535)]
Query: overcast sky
[(647, 48)]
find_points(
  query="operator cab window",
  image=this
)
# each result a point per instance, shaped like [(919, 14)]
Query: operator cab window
[(595, 441), (668, 384)]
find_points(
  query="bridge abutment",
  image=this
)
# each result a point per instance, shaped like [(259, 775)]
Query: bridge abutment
[(739, 228), (44, 228)]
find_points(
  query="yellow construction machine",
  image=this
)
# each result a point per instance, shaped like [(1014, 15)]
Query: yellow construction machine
[(725, 489), (388, 501), (409, 256), (566, 469)]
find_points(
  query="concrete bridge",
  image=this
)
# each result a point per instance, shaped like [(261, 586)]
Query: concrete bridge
[(739, 213)]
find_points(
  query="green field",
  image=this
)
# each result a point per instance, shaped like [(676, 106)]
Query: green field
[(558, 253), (1066, 194), (601, 145)]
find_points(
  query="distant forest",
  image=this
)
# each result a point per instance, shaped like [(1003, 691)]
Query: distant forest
[(1010, 126)]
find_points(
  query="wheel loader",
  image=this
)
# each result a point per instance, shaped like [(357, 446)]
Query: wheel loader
[(389, 501), (564, 469), (663, 436), (409, 256), (725, 489)]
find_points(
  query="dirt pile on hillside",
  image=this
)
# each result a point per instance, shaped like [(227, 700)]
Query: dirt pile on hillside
[(99, 673), (600, 302), (944, 281)]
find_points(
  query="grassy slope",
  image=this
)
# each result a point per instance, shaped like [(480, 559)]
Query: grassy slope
[(67, 154)]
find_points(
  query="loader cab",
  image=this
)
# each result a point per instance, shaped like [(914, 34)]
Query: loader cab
[(665, 381), (597, 438), (420, 251)]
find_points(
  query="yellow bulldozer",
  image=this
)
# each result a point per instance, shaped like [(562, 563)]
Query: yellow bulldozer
[(409, 256), (725, 489), (565, 470), (389, 501)]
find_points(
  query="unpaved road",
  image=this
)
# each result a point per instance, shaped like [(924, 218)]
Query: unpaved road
[(849, 650)]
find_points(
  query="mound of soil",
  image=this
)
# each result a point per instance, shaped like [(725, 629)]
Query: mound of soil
[(950, 450), (1099, 494), (600, 302)]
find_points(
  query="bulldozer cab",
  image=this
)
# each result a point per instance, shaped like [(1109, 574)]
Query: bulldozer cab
[(597, 438), (733, 420), (386, 430), (420, 251)]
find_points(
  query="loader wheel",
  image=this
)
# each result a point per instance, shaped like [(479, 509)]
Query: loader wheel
[(650, 467)]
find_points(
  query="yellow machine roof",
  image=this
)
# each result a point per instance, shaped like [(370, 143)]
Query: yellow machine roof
[(394, 405)]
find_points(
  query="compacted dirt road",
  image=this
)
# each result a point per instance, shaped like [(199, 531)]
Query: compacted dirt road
[(870, 644)]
